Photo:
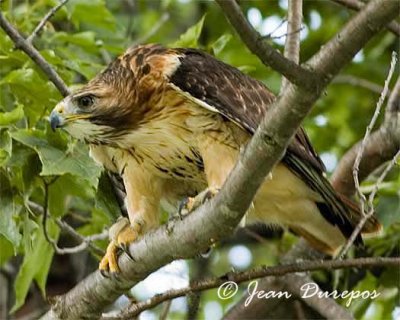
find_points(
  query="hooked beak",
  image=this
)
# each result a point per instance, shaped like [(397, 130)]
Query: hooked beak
[(56, 117)]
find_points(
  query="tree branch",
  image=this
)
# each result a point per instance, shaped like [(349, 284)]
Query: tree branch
[(25, 46), (218, 218), (259, 46), (255, 273), (358, 5), (367, 208), (359, 82), (85, 242), (381, 146), (292, 43), (43, 22)]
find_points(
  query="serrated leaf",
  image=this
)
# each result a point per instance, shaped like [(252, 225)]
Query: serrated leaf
[(191, 36), (13, 116), (35, 266), (218, 45), (56, 161)]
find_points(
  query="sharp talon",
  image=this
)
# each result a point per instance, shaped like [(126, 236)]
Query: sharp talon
[(125, 248), (206, 253), (122, 234), (115, 276), (183, 206), (105, 273)]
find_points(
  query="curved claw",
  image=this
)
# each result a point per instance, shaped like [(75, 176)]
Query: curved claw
[(190, 204), (122, 234)]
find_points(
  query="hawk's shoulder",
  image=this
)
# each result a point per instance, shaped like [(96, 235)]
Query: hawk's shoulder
[(236, 96)]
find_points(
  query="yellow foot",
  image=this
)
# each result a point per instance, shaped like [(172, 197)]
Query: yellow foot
[(121, 234), (191, 203)]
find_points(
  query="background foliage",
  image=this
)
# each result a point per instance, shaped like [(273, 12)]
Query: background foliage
[(41, 169)]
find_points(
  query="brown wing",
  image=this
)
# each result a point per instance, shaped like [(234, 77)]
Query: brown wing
[(235, 95), (243, 100)]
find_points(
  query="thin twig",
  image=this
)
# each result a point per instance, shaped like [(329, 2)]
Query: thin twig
[(165, 310), (356, 166), (25, 46), (382, 146), (359, 82), (380, 179), (85, 242), (43, 22), (46, 211), (256, 43), (255, 273), (370, 127), (356, 5), (292, 43)]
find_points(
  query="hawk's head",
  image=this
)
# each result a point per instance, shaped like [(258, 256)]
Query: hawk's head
[(102, 110), (116, 101)]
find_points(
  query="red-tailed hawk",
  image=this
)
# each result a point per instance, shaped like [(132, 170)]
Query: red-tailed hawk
[(171, 123)]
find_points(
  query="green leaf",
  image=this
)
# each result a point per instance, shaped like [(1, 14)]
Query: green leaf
[(6, 251), (91, 13), (85, 39), (36, 265), (8, 210), (218, 45), (5, 146), (61, 190), (191, 36), (13, 116), (56, 161)]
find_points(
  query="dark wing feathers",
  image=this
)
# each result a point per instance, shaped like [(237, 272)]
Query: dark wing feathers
[(244, 101), (235, 95)]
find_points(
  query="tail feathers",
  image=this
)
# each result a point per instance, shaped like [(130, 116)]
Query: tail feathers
[(371, 226), (336, 209)]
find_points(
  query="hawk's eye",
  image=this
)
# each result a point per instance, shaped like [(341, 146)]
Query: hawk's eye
[(85, 101)]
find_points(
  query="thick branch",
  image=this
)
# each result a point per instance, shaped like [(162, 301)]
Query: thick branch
[(218, 218), (256, 273), (357, 5), (24, 45), (259, 46)]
